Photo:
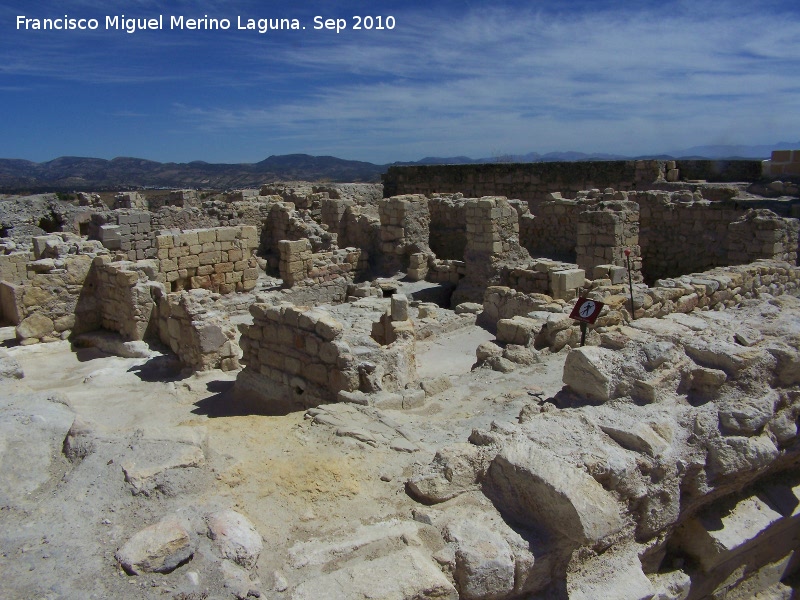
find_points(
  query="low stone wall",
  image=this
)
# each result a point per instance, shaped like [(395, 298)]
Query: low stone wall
[(201, 337), (295, 356), (682, 233), (543, 319), (57, 300), (219, 259), (543, 276), (300, 357), (300, 266)]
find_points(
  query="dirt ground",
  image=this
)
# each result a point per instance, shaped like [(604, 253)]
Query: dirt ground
[(297, 479)]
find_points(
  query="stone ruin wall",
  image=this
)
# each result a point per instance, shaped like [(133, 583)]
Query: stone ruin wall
[(405, 230), (301, 357), (681, 233), (219, 259), (448, 239), (534, 181), (530, 318)]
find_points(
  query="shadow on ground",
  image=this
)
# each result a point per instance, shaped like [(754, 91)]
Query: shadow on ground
[(163, 369), (227, 401)]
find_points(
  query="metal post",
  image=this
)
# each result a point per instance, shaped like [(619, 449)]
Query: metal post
[(583, 333), (630, 281)]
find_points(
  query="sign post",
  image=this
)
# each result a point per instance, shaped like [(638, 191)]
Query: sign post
[(630, 281), (586, 312)]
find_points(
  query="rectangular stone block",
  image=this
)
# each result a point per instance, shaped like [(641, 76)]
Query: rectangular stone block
[(570, 279)]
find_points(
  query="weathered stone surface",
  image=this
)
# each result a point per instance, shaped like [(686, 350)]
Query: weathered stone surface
[(719, 532), (398, 576), (160, 548), (746, 416), (32, 432), (148, 458), (616, 574), (590, 371), (484, 562), (35, 326), (9, 367), (536, 488), (235, 537)]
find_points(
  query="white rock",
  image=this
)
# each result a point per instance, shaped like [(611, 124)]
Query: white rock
[(235, 537), (160, 548), (484, 564), (538, 489), (398, 576)]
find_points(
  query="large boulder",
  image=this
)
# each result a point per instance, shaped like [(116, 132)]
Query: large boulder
[(537, 489)]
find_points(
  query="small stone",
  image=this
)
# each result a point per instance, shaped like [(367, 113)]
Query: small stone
[(160, 548), (281, 585), (235, 537)]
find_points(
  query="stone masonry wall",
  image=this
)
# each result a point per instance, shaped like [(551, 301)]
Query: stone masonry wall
[(553, 230), (605, 232), (201, 337), (295, 356), (219, 259), (448, 226), (405, 230), (492, 228), (13, 266), (300, 266), (682, 233), (533, 181), (126, 231), (126, 296)]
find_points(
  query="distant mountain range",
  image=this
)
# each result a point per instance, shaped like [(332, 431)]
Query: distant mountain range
[(70, 173)]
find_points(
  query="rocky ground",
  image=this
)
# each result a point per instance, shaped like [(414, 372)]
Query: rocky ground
[(127, 478)]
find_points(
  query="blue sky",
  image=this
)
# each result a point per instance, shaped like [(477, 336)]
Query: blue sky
[(452, 78)]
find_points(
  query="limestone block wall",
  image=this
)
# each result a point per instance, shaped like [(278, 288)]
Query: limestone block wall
[(553, 230), (13, 266), (284, 222), (492, 227), (127, 231), (445, 271), (682, 233), (533, 181), (200, 336), (762, 234), (362, 229), (717, 288), (782, 162), (218, 259), (543, 276), (295, 356), (300, 266), (605, 232), (183, 198), (127, 295), (57, 300), (130, 200), (448, 238), (405, 230), (174, 217), (353, 225)]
